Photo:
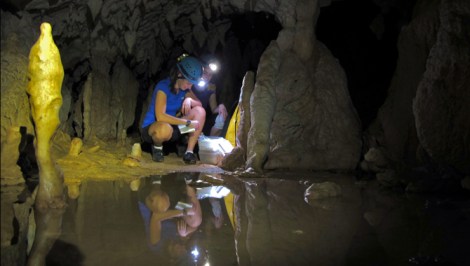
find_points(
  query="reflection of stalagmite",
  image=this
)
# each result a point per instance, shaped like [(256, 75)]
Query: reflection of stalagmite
[(11, 173), (135, 184), (46, 74), (48, 229), (87, 88), (73, 190)]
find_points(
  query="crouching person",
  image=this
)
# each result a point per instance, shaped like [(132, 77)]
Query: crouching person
[(174, 104)]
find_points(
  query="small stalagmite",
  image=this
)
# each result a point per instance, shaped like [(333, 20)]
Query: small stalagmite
[(75, 147), (44, 88), (134, 158)]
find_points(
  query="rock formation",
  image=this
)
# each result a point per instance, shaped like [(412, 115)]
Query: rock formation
[(44, 88), (441, 105), (423, 122)]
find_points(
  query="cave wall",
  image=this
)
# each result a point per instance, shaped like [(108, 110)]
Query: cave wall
[(423, 121), (114, 51), (442, 101)]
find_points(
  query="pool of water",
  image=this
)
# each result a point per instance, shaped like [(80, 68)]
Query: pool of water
[(275, 223)]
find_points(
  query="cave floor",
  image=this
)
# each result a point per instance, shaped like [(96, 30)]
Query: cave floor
[(111, 161)]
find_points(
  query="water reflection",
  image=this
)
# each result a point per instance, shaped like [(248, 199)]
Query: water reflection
[(172, 214), (110, 223), (322, 220)]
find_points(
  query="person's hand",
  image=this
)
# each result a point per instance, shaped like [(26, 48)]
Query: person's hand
[(182, 227), (223, 111), (186, 106), (195, 124)]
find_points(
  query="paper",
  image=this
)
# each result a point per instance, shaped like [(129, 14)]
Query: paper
[(184, 129)]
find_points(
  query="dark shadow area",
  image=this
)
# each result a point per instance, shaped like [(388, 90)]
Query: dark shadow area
[(27, 160), (246, 40), (63, 253), (363, 36)]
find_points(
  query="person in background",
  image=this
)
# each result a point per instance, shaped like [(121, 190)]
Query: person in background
[(173, 104), (206, 94)]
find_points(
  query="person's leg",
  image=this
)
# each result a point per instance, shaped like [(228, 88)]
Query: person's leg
[(197, 113), (159, 132)]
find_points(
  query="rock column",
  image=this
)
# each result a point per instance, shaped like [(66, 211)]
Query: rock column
[(44, 88)]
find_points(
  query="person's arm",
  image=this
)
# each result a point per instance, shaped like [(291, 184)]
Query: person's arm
[(193, 98), (217, 109), (162, 116), (183, 228), (195, 219), (156, 223)]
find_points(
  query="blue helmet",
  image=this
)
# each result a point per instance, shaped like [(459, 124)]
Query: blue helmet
[(191, 69)]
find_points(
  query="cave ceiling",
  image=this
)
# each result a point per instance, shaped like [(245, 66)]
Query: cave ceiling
[(145, 33)]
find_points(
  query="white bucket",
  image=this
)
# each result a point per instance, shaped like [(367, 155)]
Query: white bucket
[(213, 149)]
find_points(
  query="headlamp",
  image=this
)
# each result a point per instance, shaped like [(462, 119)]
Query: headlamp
[(213, 67), (201, 83), (195, 253)]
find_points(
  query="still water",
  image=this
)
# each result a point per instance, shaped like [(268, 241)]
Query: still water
[(274, 223)]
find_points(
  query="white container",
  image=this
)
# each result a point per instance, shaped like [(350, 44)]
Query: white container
[(214, 144), (210, 157), (213, 149)]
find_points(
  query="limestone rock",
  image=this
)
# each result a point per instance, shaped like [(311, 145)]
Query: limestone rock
[(262, 107), (305, 131), (112, 100), (323, 190), (15, 110), (394, 128), (46, 73), (375, 161), (441, 105), (10, 171)]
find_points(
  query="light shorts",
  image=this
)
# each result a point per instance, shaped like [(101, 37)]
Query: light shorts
[(219, 122)]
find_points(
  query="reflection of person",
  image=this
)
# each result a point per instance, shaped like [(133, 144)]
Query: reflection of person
[(216, 113), (218, 217), (163, 223), (170, 97)]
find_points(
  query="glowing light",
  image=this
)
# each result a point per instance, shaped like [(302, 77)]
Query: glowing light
[(195, 253), (213, 67), (201, 83)]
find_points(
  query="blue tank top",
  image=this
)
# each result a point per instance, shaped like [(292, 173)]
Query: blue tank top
[(168, 228), (173, 101)]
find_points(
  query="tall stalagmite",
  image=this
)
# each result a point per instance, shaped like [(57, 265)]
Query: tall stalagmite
[(45, 81)]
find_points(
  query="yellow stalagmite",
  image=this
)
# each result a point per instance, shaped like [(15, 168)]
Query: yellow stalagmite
[(45, 82)]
